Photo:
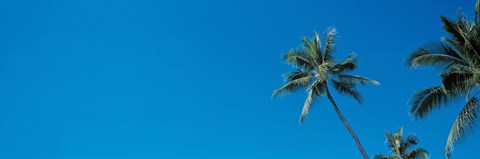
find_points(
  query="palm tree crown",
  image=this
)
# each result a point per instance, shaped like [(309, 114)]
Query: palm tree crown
[(315, 67), (400, 147), (458, 59)]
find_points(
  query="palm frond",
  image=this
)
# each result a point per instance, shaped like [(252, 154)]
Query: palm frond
[(319, 87), (330, 38), (424, 101), (418, 153), (311, 49), (299, 58), (400, 146), (349, 64), (393, 142), (435, 55), (288, 77), (307, 105), (410, 141), (459, 81), (451, 28), (347, 89), (356, 79), (464, 123), (464, 34), (295, 81)]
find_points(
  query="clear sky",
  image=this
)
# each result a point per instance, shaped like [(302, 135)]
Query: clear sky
[(185, 79)]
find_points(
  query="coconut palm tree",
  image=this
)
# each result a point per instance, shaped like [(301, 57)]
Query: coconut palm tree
[(400, 147), (457, 58), (316, 69)]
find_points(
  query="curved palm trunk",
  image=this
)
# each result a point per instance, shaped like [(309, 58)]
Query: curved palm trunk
[(344, 121)]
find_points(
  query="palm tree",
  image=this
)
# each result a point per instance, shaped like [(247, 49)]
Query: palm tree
[(458, 59), (315, 68), (400, 147)]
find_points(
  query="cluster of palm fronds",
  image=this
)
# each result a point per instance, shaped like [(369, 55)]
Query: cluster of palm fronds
[(401, 146), (315, 67), (456, 56), (458, 59)]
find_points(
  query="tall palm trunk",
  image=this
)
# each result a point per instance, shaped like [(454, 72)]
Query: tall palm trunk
[(344, 121)]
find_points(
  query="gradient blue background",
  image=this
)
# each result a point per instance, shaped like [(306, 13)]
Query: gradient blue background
[(184, 79)]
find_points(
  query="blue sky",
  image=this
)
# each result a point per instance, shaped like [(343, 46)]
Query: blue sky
[(184, 79)]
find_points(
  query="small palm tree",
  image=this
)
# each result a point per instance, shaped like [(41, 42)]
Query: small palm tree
[(458, 59), (400, 147), (315, 68)]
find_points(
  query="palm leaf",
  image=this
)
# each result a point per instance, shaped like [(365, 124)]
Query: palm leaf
[(311, 49), (299, 58), (465, 35), (317, 44), (400, 146), (410, 141), (307, 105), (392, 143), (349, 64), (319, 87), (435, 55), (356, 79), (295, 75), (452, 28), (418, 153), (296, 81), (424, 101), (330, 38), (464, 123), (459, 81), (348, 89)]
